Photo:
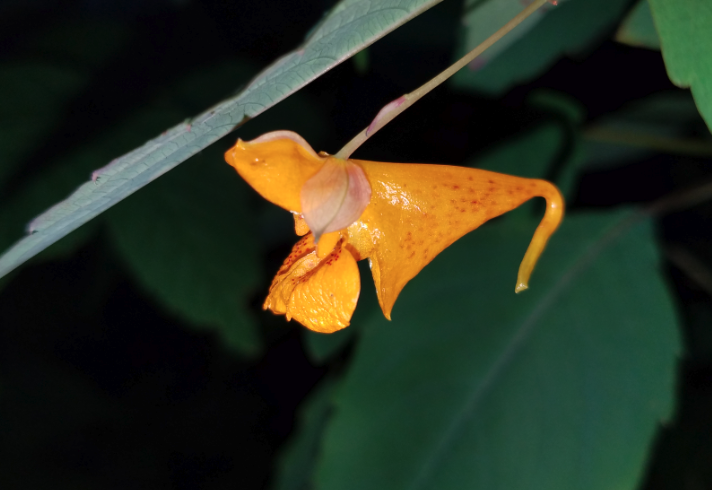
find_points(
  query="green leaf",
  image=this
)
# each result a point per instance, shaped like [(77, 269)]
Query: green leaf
[(349, 27), (638, 28), (685, 30), (320, 347), (473, 387), (528, 154), (296, 463), (564, 30), (87, 41), (190, 239), (660, 122), (34, 95), (361, 62), (482, 18)]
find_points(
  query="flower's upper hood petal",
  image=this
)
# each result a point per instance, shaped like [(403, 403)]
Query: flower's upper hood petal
[(276, 165)]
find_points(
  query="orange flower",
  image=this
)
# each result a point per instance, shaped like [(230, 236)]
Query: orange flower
[(399, 216)]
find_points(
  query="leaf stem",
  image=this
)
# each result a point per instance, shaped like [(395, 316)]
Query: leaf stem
[(666, 144), (394, 108)]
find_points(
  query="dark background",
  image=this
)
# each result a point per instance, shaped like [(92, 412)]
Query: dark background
[(100, 387)]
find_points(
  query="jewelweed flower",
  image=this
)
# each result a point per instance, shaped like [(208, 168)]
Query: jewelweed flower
[(398, 216)]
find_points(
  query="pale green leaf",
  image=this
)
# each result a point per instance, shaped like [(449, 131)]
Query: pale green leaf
[(349, 27)]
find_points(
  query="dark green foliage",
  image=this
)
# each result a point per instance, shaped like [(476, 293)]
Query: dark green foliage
[(296, 466), (136, 353), (191, 241), (638, 28), (566, 30), (561, 386)]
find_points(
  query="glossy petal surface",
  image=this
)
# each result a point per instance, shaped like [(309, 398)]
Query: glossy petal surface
[(414, 212), (417, 211), (277, 169)]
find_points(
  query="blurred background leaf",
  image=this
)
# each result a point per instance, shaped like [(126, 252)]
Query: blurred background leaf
[(33, 100), (178, 242), (686, 40), (482, 18), (295, 469), (638, 28), (568, 29), (475, 387), (666, 121), (37, 90)]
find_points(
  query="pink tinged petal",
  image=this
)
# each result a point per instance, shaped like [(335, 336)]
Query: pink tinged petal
[(334, 197), (284, 134)]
